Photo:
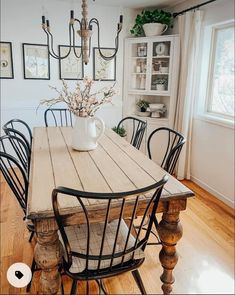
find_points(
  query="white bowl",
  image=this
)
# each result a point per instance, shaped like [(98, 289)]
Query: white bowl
[(154, 29), (156, 106), (142, 114)]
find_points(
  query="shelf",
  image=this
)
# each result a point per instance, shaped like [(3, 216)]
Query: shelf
[(149, 92), (138, 73), (157, 73), (137, 57), (162, 119), (161, 56), (137, 89)]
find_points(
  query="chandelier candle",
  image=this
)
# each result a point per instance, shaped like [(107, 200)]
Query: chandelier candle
[(84, 31)]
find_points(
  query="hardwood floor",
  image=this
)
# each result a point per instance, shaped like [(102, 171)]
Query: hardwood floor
[(206, 251)]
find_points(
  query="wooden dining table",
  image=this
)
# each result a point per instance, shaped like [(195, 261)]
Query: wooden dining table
[(114, 166)]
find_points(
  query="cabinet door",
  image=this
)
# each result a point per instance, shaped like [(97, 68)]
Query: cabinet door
[(138, 66), (160, 72), (158, 144)]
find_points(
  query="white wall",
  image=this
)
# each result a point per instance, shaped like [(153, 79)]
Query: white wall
[(213, 145), (21, 23)]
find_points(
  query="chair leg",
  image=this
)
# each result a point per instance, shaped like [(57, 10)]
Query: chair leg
[(102, 289), (62, 287), (31, 236), (155, 222), (74, 288), (139, 281), (33, 268)]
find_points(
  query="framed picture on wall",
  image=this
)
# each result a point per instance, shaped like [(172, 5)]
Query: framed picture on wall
[(36, 61), (6, 61), (71, 67), (104, 70)]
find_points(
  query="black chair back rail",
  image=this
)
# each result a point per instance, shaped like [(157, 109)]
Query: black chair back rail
[(138, 129), (58, 117), (119, 259), (14, 127), (19, 148), (16, 178), (175, 142)]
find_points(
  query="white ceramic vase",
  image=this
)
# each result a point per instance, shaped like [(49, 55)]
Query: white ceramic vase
[(85, 134), (154, 29), (160, 87)]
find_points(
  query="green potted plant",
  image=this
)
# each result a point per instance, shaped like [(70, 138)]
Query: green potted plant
[(120, 131), (161, 84), (142, 104), (152, 23)]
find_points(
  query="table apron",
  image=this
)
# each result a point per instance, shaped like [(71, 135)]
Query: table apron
[(49, 224)]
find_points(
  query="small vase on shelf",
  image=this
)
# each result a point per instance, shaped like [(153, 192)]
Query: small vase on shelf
[(142, 82), (160, 87)]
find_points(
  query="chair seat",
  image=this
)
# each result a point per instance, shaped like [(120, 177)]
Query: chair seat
[(77, 235)]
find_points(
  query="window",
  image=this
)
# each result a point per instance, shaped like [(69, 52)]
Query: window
[(220, 92)]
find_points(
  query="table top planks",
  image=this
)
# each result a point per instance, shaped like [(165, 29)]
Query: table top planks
[(114, 166)]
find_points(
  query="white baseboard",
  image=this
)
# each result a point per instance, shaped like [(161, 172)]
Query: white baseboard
[(213, 191)]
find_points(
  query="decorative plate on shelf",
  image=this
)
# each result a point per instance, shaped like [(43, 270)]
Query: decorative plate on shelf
[(142, 114), (161, 49)]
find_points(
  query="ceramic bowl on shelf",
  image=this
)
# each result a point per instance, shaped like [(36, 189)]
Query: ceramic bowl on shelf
[(154, 29), (156, 106)]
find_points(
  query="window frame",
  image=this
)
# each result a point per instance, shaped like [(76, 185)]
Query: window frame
[(208, 51)]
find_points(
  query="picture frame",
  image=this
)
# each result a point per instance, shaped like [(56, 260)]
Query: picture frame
[(104, 70), (6, 61), (142, 50), (36, 61), (70, 68)]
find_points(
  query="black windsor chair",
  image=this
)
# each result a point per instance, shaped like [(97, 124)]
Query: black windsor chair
[(108, 247), (174, 146), (175, 142), (19, 128), (138, 128), (17, 148), (17, 179), (58, 117)]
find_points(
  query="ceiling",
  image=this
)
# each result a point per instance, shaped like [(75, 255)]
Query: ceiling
[(132, 3), (139, 3)]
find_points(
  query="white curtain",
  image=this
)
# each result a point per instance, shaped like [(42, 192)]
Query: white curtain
[(189, 31)]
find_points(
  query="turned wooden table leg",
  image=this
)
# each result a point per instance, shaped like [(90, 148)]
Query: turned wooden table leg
[(48, 254), (170, 232)]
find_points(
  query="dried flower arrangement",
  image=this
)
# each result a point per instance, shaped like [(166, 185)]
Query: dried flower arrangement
[(81, 102)]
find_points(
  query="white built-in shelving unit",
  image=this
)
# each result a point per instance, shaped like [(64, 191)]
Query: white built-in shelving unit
[(146, 60)]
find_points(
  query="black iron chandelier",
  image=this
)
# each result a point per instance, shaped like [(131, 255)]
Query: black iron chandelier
[(85, 33)]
